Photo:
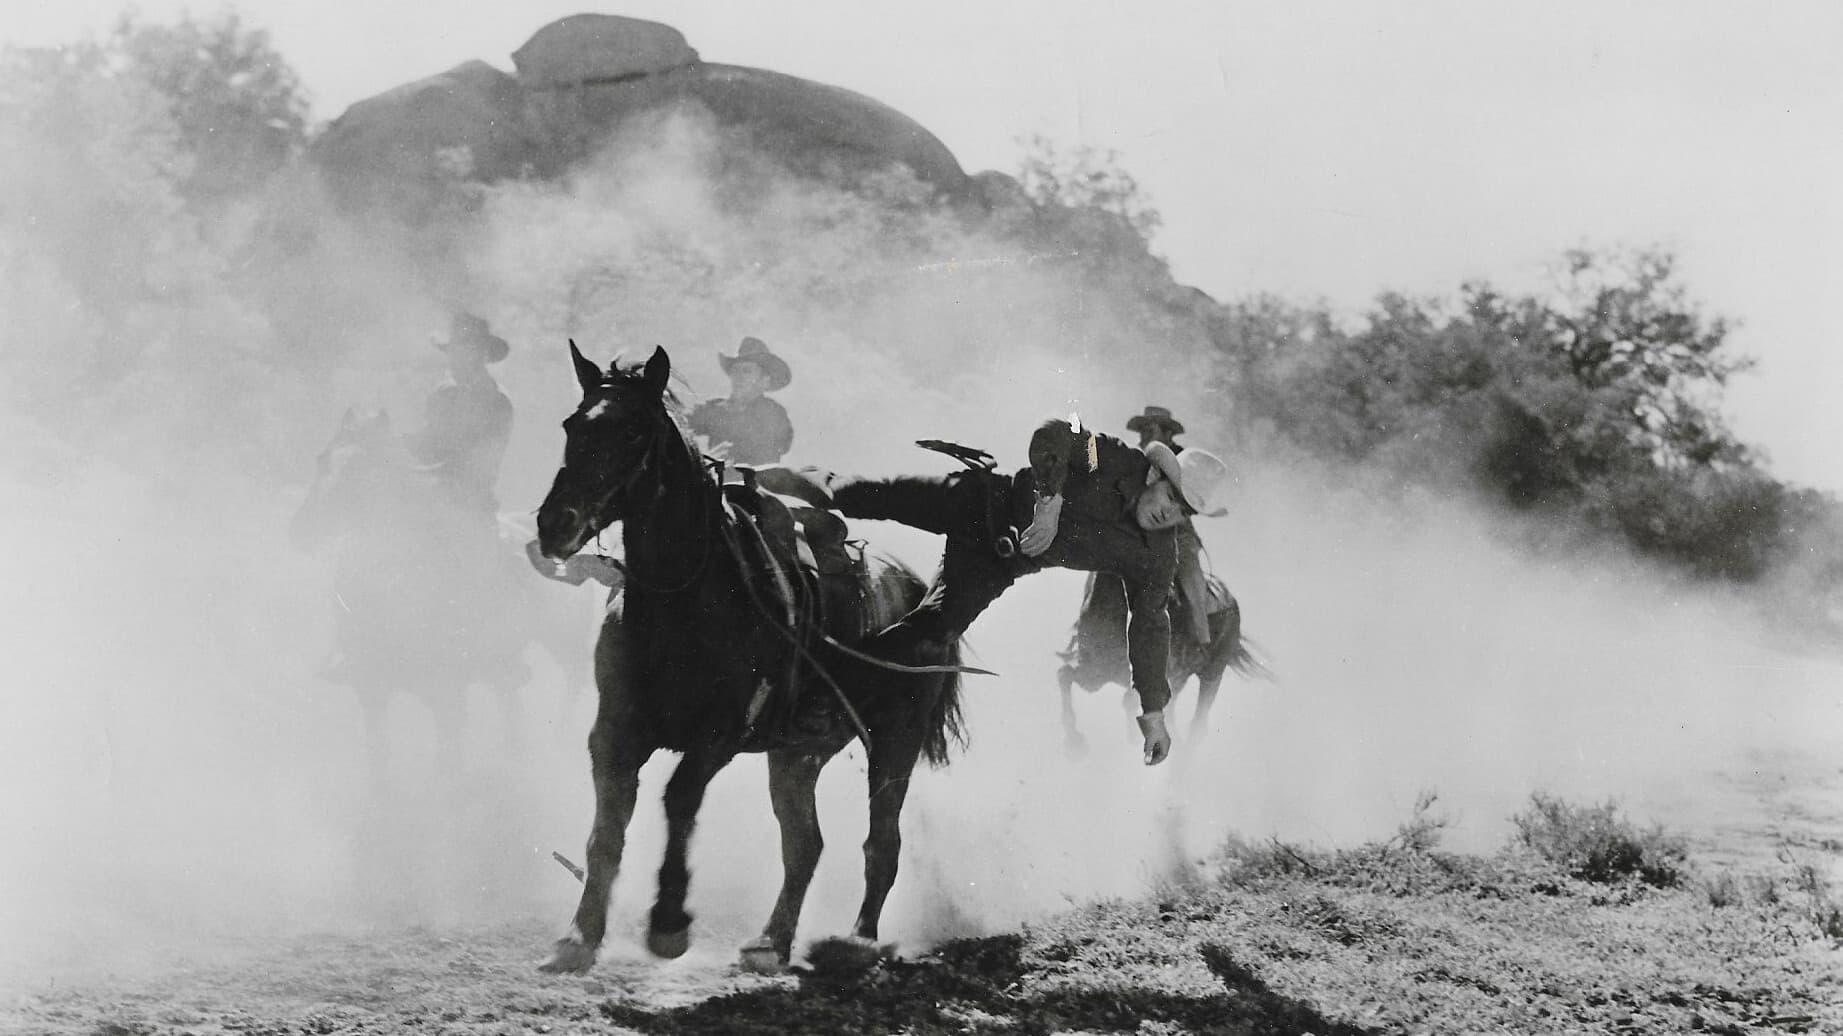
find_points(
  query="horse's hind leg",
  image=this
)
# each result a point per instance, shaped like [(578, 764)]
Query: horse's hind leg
[(1072, 741), (892, 760), (791, 778), (615, 757), (669, 929), (1207, 686)]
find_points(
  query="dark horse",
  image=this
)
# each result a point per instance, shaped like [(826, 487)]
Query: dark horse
[(1096, 655), (700, 645), (426, 600)]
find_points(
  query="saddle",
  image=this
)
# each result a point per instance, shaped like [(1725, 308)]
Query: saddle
[(814, 572), (799, 562)]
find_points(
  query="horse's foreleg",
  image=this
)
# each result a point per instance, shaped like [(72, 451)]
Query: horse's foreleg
[(791, 778), (669, 929), (891, 763), (615, 757)]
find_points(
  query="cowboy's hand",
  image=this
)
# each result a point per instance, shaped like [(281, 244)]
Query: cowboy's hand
[(1042, 532), (1157, 738)]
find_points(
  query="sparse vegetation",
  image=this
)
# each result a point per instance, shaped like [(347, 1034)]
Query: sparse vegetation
[(1594, 843), (1390, 937)]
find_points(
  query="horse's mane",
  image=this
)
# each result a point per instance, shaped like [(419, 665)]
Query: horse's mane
[(632, 374)]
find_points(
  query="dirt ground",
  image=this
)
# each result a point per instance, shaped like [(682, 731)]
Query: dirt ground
[(1440, 944)]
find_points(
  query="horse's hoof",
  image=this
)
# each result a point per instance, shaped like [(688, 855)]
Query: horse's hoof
[(849, 955), (761, 958), (670, 945), (570, 957)]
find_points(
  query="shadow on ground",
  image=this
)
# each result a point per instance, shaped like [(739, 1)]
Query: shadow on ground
[(979, 986)]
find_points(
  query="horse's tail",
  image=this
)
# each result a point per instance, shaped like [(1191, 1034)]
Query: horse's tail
[(1246, 663), (1237, 651), (946, 726), (892, 589)]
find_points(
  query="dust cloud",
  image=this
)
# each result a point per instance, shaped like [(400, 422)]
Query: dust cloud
[(177, 780)]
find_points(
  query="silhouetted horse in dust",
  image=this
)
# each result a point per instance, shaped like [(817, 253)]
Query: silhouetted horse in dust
[(708, 646), (1097, 654), (426, 600)]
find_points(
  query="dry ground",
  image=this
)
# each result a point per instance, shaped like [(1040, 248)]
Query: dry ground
[(1392, 937)]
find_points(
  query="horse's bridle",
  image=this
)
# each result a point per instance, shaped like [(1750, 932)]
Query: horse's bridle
[(624, 488)]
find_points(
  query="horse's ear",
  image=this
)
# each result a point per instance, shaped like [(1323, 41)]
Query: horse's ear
[(350, 419), (658, 370), (588, 375)]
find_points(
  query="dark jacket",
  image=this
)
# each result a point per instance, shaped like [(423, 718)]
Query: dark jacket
[(758, 432), (1097, 533), (463, 438)]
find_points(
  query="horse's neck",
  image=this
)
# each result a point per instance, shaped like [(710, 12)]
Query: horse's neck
[(674, 533)]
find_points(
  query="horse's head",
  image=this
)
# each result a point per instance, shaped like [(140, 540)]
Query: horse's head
[(620, 432), (352, 475)]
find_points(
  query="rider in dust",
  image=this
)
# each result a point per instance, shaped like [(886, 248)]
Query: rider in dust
[(1088, 502), (467, 422)]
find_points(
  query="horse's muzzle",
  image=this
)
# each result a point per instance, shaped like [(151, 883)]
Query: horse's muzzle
[(562, 532)]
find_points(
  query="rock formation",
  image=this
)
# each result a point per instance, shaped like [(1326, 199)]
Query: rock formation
[(579, 81)]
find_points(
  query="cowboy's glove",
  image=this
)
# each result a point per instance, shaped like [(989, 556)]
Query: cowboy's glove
[(1042, 532), (1157, 738)]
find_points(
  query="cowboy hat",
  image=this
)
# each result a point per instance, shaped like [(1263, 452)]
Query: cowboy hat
[(1155, 415), (1204, 478), (468, 329), (756, 351)]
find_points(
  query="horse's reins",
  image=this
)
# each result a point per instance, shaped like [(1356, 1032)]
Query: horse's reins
[(626, 567)]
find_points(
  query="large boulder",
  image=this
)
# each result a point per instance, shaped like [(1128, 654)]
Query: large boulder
[(811, 127), (465, 124), (599, 48), (579, 81)]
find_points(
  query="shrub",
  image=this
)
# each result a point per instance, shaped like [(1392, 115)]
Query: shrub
[(1594, 843)]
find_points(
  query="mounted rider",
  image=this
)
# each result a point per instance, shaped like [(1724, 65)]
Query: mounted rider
[(467, 421), (1087, 501), (748, 427)]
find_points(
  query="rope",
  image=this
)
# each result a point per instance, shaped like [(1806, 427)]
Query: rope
[(857, 722)]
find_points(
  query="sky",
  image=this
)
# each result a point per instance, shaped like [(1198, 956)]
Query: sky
[(1325, 150)]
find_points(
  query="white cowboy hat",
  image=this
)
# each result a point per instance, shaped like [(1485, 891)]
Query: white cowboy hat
[(1204, 478)]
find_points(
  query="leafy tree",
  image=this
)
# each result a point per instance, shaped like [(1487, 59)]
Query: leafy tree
[(1626, 329), (1086, 178), (238, 105)]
